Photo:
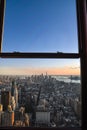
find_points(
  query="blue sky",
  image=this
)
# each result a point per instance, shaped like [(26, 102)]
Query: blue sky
[(40, 26)]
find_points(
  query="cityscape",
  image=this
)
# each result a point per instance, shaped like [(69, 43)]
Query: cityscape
[(40, 101), (43, 93)]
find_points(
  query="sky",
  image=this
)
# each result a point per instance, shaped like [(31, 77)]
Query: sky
[(40, 26)]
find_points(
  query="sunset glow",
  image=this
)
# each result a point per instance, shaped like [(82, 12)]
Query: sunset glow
[(37, 71)]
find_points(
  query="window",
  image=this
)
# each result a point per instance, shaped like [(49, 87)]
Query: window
[(40, 26), (82, 53)]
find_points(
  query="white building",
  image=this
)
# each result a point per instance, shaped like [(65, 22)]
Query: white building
[(12, 103), (16, 96), (43, 116)]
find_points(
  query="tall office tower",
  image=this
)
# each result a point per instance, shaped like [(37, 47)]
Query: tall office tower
[(1, 107), (1, 111), (7, 118), (12, 103), (13, 87), (5, 99), (0, 98), (0, 118), (14, 92), (16, 96)]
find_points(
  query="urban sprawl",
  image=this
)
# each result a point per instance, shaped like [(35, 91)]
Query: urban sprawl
[(39, 101)]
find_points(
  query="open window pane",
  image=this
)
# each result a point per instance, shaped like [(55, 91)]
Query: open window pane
[(40, 26), (40, 93)]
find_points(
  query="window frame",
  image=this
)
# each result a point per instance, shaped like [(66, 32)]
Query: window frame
[(82, 40), (2, 12), (81, 6)]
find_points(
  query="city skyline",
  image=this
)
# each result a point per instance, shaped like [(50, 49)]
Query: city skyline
[(40, 101), (40, 26)]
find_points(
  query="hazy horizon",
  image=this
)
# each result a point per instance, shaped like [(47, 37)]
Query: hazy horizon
[(39, 71)]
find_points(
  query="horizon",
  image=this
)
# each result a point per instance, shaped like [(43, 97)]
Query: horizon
[(39, 66), (39, 71), (37, 75)]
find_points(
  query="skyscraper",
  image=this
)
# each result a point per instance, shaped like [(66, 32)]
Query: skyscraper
[(7, 118), (13, 87), (14, 92), (16, 96), (5, 99)]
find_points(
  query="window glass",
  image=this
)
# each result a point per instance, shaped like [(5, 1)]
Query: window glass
[(40, 26), (40, 93)]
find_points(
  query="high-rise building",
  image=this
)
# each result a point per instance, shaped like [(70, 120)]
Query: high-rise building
[(1, 107), (0, 98), (12, 103), (14, 92), (7, 118), (5, 99), (1, 112), (21, 118), (16, 96), (13, 87)]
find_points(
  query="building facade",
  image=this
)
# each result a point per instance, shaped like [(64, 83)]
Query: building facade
[(5, 99)]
